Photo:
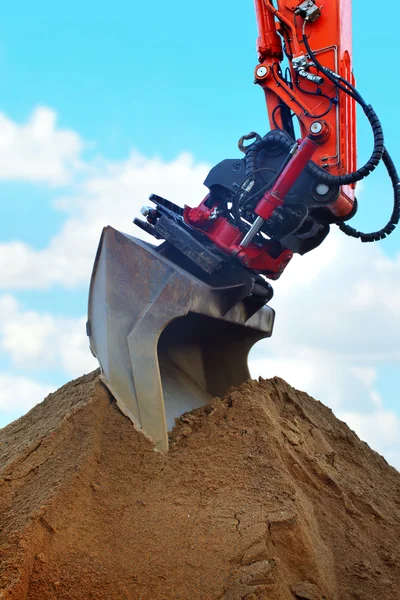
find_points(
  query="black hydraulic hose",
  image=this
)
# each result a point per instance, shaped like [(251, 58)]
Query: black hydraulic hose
[(272, 138), (379, 145), (333, 77), (370, 165), (379, 153), (395, 216)]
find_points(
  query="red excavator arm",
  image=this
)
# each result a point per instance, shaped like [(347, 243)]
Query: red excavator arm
[(314, 99), (285, 194)]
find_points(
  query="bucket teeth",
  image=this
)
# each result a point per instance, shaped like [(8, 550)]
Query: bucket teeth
[(165, 342)]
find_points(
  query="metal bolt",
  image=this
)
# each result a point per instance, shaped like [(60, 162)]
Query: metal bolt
[(261, 71), (316, 127), (145, 210), (322, 189)]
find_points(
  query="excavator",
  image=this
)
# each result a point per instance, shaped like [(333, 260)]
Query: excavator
[(172, 322)]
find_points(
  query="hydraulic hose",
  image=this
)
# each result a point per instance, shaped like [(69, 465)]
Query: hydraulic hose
[(379, 153), (379, 144), (370, 165), (272, 138), (395, 216)]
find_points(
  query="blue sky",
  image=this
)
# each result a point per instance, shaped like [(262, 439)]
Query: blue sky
[(157, 80), (162, 78)]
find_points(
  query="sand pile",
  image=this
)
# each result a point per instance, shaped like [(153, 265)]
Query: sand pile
[(264, 495)]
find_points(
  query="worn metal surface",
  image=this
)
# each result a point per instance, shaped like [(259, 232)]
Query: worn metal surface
[(160, 335)]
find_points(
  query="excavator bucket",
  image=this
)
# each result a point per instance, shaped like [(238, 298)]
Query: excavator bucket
[(166, 341)]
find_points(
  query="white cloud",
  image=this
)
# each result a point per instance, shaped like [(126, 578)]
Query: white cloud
[(20, 394), (323, 308), (38, 151), (381, 427), (301, 374), (110, 197), (42, 341)]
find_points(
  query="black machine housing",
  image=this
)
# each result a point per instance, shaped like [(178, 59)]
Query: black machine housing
[(236, 186)]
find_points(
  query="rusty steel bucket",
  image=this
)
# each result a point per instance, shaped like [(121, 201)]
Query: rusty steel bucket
[(166, 341)]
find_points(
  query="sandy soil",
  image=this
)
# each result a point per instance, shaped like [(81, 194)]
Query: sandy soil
[(264, 495)]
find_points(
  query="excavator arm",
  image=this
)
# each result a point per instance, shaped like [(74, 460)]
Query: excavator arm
[(172, 323), (297, 87), (298, 179)]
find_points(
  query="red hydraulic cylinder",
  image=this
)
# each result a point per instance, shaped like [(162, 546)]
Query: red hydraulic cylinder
[(276, 195), (268, 43)]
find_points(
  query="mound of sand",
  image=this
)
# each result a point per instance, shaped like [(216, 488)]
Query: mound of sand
[(264, 495)]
